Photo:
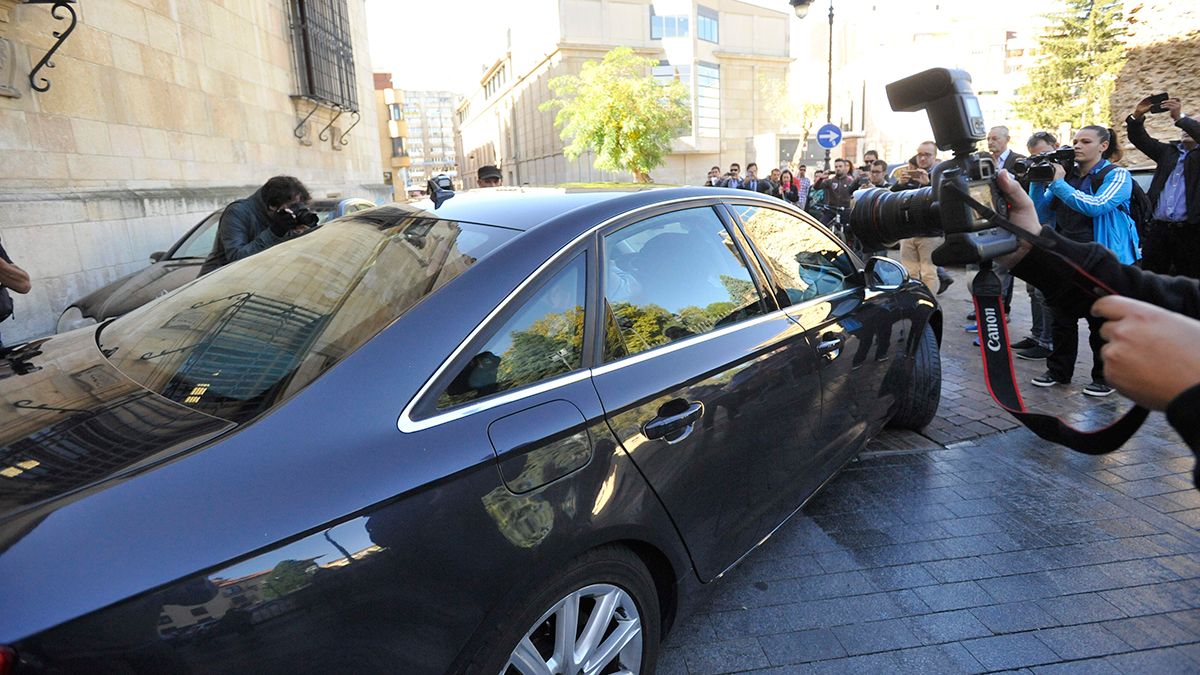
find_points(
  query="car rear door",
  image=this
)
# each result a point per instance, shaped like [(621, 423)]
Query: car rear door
[(705, 383), (859, 335)]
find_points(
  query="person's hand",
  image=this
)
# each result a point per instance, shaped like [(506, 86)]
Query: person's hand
[(1143, 107), (1021, 213), (300, 230), (1174, 106), (1150, 356), (1059, 172), (919, 176)]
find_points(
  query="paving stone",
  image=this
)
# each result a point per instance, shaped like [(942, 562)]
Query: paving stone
[(880, 636), (1156, 599), (951, 658), (724, 657), (672, 662), (854, 665), (947, 627), (954, 596), (959, 569), (1149, 632), (1167, 660), (1087, 667), (1014, 617), (1082, 642), (1081, 608), (753, 622), (899, 577), (801, 647), (1004, 652)]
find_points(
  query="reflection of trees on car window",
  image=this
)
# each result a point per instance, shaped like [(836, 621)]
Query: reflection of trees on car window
[(805, 261), (543, 339)]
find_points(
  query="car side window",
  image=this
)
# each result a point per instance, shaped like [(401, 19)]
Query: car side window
[(673, 276), (544, 338), (805, 261), (200, 244)]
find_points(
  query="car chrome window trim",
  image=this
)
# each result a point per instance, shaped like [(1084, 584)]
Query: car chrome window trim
[(407, 424)]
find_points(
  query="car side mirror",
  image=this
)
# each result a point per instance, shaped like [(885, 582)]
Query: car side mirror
[(157, 256), (884, 274)]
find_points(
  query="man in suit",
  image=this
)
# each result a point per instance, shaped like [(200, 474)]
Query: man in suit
[(997, 142), (753, 182)]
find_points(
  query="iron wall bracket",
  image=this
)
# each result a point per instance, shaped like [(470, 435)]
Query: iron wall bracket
[(41, 84)]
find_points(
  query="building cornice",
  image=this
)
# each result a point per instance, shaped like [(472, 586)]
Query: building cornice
[(737, 56)]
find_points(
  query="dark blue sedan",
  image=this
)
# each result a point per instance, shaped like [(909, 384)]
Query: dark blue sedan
[(503, 435)]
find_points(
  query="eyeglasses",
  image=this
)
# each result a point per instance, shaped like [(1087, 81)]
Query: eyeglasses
[(924, 154)]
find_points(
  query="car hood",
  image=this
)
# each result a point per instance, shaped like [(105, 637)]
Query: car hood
[(134, 290), (71, 422)]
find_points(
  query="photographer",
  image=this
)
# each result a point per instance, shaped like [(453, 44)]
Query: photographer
[(1173, 237), (916, 253), (1153, 316), (274, 213), (11, 277), (1040, 342), (1085, 212)]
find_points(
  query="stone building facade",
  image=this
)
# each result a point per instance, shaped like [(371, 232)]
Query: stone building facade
[(157, 113), (430, 118), (720, 49), (1163, 55)]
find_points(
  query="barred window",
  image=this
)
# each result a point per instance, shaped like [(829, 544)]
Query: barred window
[(324, 53)]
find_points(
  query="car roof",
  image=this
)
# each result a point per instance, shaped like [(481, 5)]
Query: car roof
[(522, 208)]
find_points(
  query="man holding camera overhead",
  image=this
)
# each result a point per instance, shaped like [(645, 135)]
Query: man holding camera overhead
[(274, 213), (1172, 243)]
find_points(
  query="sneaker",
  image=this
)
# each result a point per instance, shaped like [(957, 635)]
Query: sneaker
[(971, 328), (971, 316), (1046, 380), (1097, 388), (1034, 353), (944, 283), (975, 342), (1025, 343)]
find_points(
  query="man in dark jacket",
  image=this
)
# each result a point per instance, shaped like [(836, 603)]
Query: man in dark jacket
[(753, 182), (1137, 332), (11, 277), (1172, 243), (258, 222), (997, 143)]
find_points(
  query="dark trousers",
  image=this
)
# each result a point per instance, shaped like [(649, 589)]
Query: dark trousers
[(1043, 317), (1172, 248), (1065, 330)]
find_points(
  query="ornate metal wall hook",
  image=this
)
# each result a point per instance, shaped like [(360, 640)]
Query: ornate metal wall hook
[(62, 37), (323, 135), (357, 118), (300, 131)]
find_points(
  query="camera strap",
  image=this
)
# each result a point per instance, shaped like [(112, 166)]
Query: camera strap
[(995, 347)]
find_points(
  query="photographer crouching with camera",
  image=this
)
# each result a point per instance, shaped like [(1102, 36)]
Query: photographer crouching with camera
[(988, 218), (275, 213)]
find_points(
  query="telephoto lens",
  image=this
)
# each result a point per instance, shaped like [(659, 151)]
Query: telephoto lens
[(305, 217), (880, 218)]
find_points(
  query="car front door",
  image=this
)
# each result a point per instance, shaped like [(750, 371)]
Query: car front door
[(703, 380), (859, 335)]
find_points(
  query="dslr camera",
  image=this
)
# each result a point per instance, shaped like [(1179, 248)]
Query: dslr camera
[(305, 216), (1040, 167), (880, 218)]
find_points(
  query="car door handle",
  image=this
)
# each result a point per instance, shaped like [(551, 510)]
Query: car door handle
[(674, 421), (830, 346)]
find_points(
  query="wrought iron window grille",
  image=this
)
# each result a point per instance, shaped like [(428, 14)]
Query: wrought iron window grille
[(324, 52), (41, 84)]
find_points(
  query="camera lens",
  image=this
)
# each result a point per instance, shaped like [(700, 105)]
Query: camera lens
[(880, 218), (306, 217)]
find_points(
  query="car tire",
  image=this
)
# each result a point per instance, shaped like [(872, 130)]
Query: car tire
[(607, 585), (924, 392)]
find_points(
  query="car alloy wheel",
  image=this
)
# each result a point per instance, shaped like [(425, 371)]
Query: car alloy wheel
[(595, 630)]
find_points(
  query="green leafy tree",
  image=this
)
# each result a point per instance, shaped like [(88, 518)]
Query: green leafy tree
[(618, 111), (1081, 54), (287, 577)]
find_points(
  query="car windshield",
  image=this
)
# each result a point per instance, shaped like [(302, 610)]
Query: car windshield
[(254, 332)]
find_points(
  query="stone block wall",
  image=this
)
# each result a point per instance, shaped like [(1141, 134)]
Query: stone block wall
[(158, 112), (1164, 55)]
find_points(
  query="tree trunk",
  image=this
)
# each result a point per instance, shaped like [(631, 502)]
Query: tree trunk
[(641, 176)]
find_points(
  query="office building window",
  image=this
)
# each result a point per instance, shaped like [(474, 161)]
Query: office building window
[(395, 112), (397, 147), (665, 72), (494, 82), (708, 99), (667, 26), (324, 55), (707, 24)]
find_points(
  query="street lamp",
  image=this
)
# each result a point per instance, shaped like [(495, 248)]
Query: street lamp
[(801, 7)]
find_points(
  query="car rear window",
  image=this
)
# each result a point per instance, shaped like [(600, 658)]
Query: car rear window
[(236, 341)]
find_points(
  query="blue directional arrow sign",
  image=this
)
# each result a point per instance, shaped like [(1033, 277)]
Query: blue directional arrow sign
[(829, 136)]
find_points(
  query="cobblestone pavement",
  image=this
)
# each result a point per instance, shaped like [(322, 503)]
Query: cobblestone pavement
[(1000, 552)]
